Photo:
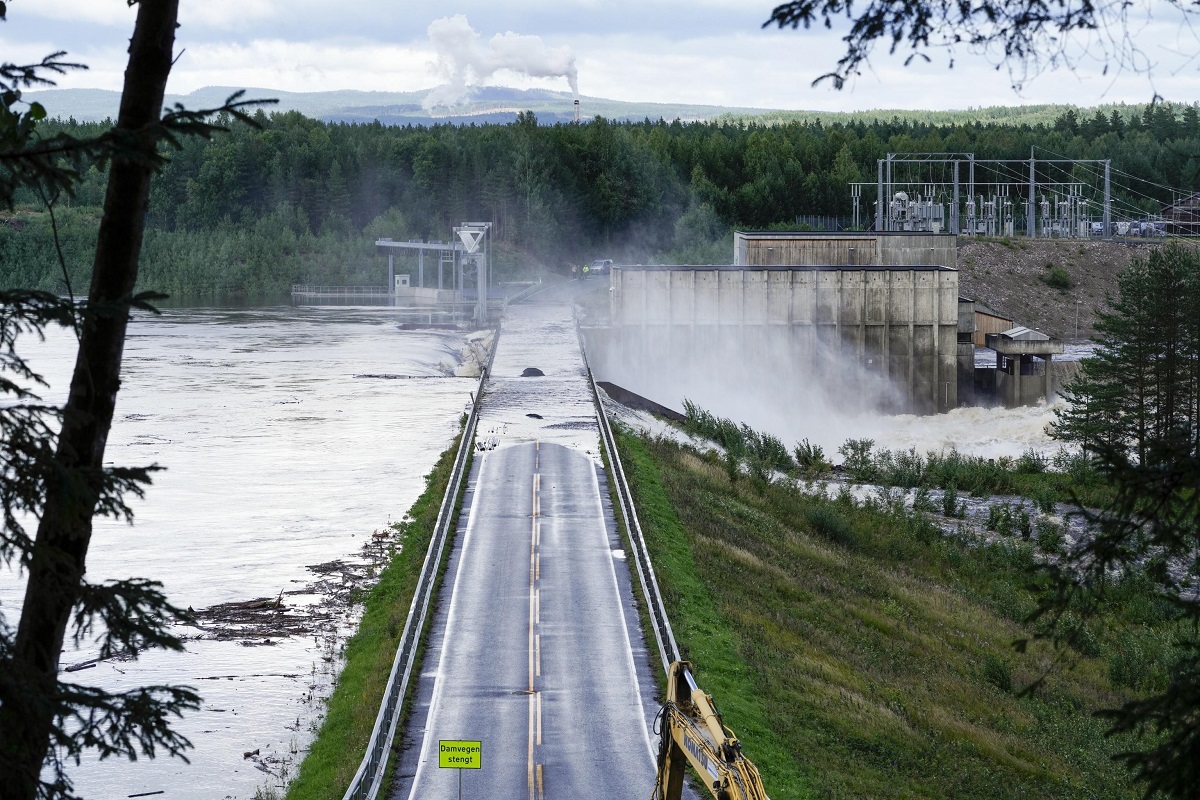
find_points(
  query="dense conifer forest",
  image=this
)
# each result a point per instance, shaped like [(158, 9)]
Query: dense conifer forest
[(301, 200)]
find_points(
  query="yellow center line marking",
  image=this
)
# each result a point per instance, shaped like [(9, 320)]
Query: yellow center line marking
[(535, 639), (531, 638), (529, 764)]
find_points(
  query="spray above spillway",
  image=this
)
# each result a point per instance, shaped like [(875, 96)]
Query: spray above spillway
[(464, 61)]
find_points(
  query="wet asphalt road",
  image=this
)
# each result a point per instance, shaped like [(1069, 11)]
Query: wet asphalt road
[(535, 650)]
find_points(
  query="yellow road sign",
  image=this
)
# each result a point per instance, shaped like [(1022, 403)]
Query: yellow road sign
[(456, 754)]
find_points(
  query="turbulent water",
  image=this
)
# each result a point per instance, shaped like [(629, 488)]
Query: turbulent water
[(289, 436)]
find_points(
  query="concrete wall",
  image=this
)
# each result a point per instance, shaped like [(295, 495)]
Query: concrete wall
[(885, 338), (416, 295), (754, 248)]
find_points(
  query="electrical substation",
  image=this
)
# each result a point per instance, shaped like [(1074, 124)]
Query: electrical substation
[(958, 193)]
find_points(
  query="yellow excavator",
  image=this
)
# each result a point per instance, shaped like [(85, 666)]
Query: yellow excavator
[(692, 730)]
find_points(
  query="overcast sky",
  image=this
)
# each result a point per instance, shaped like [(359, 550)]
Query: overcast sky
[(693, 51)]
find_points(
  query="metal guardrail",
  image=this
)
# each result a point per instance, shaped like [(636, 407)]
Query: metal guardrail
[(312, 290), (664, 637), (526, 292), (368, 779)]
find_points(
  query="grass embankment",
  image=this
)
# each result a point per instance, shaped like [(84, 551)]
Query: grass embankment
[(342, 740), (857, 652)]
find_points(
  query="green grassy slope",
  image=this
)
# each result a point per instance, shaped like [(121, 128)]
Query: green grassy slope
[(857, 652)]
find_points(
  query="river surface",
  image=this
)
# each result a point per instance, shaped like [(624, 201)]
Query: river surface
[(289, 436)]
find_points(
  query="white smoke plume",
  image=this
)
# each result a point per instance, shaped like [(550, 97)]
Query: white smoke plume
[(464, 61)]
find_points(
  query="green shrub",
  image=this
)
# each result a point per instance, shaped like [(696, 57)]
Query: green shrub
[(1139, 659), (997, 672), (922, 501), (950, 505), (1058, 278), (826, 521), (1049, 537), (857, 461), (904, 468), (811, 460), (1031, 462)]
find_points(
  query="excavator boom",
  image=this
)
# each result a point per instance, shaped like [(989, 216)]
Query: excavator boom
[(692, 732)]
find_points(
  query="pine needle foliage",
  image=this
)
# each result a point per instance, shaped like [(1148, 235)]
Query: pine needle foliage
[(1134, 410), (53, 476)]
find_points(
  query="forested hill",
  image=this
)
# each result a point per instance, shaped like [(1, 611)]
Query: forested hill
[(302, 200)]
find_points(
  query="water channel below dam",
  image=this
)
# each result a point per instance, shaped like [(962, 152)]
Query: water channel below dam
[(289, 436)]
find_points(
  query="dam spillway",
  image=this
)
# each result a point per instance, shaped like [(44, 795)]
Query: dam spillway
[(883, 336)]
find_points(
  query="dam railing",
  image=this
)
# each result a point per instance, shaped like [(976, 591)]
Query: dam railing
[(656, 608), (368, 780), (311, 291)]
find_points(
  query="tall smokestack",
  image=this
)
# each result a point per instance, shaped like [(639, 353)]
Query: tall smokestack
[(576, 110)]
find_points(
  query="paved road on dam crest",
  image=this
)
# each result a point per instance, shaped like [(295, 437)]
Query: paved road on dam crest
[(535, 649)]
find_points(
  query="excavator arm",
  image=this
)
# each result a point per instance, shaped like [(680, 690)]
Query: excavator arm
[(692, 732)]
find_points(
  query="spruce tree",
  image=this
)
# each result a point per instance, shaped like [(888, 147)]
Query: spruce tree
[(52, 464), (1135, 412)]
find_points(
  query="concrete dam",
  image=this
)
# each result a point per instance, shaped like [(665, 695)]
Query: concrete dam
[(855, 331), (856, 322)]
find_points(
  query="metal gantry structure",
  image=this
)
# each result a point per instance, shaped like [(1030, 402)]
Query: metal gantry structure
[(961, 194), (467, 260)]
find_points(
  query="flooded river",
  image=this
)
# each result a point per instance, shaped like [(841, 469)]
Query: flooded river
[(289, 436)]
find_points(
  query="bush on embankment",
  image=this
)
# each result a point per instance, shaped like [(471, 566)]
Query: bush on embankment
[(1062, 478), (342, 740), (858, 652)]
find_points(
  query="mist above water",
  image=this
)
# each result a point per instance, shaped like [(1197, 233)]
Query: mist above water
[(817, 396)]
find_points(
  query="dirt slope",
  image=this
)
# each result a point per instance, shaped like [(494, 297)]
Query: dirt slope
[(1007, 276)]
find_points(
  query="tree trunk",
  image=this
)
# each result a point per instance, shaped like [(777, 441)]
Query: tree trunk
[(57, 562)]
